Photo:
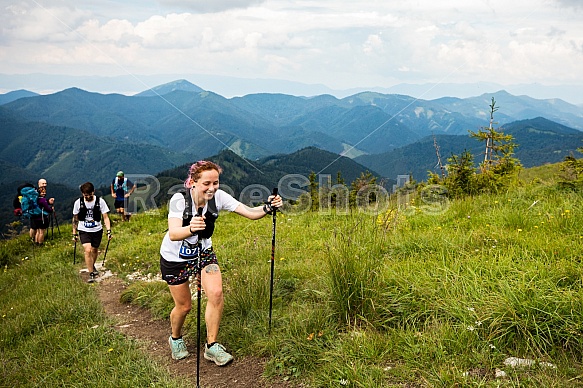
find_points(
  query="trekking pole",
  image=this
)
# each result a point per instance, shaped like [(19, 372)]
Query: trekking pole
[(52, 232), (56, 221), (75, 252), (198, 296), (105, 254), (272, 261)]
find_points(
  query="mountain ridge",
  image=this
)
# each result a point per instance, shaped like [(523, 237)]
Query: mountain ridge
[(264, 124)]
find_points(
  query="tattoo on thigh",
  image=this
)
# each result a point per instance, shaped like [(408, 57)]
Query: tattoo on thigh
[(212, 268)]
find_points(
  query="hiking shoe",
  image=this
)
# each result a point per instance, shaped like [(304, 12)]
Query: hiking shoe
[(217, 354), (178, 348), (93, 276)]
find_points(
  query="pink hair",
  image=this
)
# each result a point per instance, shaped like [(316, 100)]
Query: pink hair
[(197, 169)]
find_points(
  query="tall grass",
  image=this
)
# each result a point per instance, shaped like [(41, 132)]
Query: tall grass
[(53, 332), (434, 299), (354, 262)]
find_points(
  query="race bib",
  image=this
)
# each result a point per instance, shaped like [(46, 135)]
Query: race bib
[(89, 223), (188, 251)]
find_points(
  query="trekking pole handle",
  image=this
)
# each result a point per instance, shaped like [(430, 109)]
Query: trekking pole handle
[(267, 208)]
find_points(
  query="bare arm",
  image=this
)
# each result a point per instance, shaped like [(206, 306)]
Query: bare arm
[(75, 222), (177, 232), (255, 213), (106, 222)]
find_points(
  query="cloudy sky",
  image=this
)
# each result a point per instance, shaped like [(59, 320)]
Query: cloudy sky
[(338, 43)]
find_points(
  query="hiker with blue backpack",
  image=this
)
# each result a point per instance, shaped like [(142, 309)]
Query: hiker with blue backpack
[(187, 250), (17, 202), (121, 189), (39, 223), (28, 204)]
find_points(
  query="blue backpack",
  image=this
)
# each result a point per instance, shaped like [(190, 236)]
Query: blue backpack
[(28, 203)]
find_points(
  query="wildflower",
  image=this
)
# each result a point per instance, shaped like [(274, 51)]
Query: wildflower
[(492, 346), (343, 382), (310, 337), (471, 328), (478, 323), (536, 226), (282, 258), (470, 309), (110, 350), (495, 201), (520, 230)]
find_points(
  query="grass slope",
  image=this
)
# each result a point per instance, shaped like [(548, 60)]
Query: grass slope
[(424, 297), (53, 331)]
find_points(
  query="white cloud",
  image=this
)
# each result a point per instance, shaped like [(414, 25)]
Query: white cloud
[(209, 5), (373, 44), (340, 43), (576, 4)]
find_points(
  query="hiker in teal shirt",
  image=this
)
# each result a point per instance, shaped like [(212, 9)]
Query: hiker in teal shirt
[(121, 189)]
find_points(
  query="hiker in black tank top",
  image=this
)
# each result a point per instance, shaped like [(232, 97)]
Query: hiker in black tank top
[(90, 213)]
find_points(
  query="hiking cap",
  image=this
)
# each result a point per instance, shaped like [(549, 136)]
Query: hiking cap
[(120, 173)]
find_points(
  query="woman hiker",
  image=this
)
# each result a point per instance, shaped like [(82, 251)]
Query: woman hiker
[(186, 240), (39, 224)]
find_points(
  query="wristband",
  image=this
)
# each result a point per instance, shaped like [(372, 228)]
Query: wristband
[(191, 232), (267, 208)]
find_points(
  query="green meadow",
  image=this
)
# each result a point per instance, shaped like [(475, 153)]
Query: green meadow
[(412, 296)]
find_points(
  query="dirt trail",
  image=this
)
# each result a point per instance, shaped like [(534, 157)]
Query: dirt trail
[(138, 324)]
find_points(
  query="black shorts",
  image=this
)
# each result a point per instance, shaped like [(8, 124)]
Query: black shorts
[(40, 223), (91, 237), (174, 272), (120, 203)]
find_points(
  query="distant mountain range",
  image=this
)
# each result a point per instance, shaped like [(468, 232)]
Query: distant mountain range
[(168, 125), (131, 84), (73, 135), (184, 119)]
